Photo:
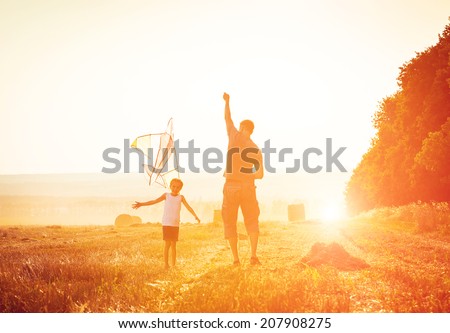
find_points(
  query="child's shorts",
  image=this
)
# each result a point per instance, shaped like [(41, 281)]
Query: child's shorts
[(170, 233)]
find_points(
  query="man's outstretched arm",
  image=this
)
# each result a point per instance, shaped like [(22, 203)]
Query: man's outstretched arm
[(228, 120)]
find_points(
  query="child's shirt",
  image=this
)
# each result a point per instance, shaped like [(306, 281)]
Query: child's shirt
[(172, 208)]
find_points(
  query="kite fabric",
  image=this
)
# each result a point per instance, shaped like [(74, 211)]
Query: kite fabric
[(159, 149)]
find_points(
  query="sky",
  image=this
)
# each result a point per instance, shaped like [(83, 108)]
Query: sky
[(78, 77)]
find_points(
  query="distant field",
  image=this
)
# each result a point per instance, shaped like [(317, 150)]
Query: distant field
[(45, 210), (107, 269)]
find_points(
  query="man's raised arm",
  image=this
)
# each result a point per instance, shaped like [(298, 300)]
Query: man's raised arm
[(228, 119)]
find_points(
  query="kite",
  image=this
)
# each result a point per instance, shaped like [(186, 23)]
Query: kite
[(162, 145)]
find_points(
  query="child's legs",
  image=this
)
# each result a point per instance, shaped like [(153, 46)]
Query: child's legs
[(170, 236), (167, 245), (173, 245)]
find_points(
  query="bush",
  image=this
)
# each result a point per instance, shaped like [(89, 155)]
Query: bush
[(426, 217)]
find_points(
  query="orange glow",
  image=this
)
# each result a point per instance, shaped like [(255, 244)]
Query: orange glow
[(80, 79)]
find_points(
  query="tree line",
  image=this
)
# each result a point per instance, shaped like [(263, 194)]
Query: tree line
[(409, 155)]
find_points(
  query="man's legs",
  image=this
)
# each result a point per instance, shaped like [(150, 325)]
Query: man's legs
[(254, 243), (250, 211), (233, 241), (230, 207)]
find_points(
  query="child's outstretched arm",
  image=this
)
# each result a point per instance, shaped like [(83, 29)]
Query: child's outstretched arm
[(136, 205), (189, 208)]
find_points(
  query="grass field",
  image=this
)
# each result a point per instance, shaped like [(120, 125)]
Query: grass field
[(108, 269)]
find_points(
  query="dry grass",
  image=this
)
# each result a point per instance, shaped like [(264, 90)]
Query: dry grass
[(103, 269)]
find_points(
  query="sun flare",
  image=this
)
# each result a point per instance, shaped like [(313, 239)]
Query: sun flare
[(332, 213)]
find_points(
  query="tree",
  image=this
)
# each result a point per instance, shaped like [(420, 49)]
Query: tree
[(408, 156)]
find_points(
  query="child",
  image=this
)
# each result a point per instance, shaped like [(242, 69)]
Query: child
[(171, 217)]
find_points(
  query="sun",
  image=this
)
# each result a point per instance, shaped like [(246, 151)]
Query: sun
[(332, 213)]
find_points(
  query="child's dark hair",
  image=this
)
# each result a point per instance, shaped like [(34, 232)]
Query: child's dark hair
[(177, 180)]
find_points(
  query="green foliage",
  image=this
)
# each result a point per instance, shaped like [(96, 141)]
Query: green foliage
[(408, 158)]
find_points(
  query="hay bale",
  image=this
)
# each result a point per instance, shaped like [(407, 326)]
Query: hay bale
[(123, 220), (333, 255), (296, 212), (136, 220)]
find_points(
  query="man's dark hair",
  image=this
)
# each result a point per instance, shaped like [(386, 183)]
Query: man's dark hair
[(248, 125)]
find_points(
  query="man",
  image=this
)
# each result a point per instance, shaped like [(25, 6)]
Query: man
[(244, 165)]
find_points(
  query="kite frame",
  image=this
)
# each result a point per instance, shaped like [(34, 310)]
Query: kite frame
[(151, 169)]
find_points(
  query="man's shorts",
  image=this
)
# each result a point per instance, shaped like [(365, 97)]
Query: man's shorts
[(170, 233), (239, 194)]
